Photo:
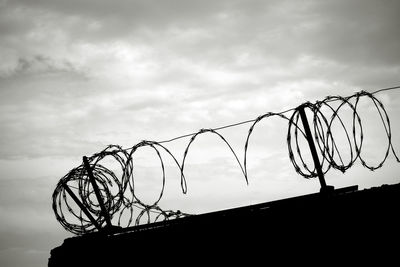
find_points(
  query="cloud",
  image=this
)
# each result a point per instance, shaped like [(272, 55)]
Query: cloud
[(197, 40), (43, 65), (358, 32)]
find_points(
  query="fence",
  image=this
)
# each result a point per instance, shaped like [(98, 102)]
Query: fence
[(90, 195)]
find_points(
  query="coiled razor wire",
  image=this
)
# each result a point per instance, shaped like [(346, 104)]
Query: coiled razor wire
[(120, 197)]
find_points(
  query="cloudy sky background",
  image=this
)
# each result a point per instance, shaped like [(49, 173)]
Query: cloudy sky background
[(76, 76)]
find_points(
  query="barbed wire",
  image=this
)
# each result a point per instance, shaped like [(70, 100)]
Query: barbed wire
[(82, 213)]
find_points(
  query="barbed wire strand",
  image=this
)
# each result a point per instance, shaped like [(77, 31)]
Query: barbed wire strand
[(119, 193)]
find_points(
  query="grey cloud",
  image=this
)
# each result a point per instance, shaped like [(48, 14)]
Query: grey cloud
[(122, 17), (350, 32), (12, 22), (40, 64), (361, 40), (137, 105), (149, 10), (356, 32)]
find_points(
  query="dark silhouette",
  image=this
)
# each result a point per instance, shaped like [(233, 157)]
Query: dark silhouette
[(99, 196), (343, 219), (337, 225)]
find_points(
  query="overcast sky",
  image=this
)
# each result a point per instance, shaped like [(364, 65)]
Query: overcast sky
[(76, 76)]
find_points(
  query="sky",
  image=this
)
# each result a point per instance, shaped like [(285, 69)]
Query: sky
[(76, 76)]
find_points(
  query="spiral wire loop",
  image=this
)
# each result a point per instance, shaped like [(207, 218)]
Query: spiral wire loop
[(119, 193)]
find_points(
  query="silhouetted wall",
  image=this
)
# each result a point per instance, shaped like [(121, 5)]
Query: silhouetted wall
[(347, 223)]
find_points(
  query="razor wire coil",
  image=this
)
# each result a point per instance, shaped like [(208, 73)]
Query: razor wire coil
[(119, 192)]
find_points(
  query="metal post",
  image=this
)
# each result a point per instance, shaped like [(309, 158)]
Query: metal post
[(97, 192), (81, 206), (309, 137)]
